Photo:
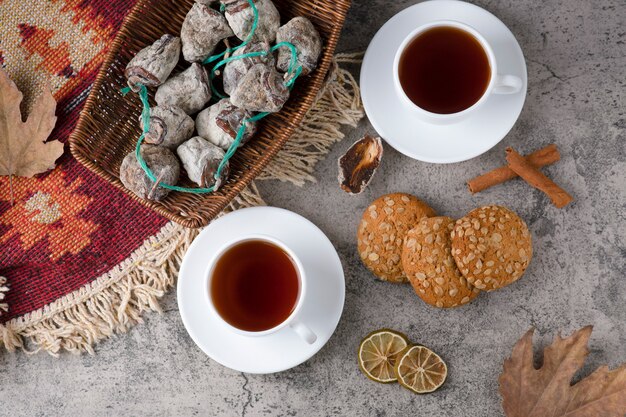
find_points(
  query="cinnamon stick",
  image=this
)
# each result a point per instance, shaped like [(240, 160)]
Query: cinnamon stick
[(560, 198), (540, 158)]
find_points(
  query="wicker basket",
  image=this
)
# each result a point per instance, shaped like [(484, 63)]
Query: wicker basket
[(108, 126)]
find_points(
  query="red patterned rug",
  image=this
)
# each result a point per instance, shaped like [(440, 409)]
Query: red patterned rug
[(81, 259)]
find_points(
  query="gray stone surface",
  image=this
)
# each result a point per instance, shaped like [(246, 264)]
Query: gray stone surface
[(576, 66)]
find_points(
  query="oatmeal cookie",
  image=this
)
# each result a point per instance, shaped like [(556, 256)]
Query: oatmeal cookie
[(429, 266), (381, 233), (491, 247)]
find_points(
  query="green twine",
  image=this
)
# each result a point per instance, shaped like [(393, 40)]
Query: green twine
[(292, 62), (292, 74), (145, 118), (255, 23), (233, 146), (226, 61)]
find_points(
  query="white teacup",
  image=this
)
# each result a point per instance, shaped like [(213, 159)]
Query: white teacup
[(292, 320), (498, 83)]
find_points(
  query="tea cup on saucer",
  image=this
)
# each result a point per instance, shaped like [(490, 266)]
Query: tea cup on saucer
[(319, 308), (468, 130)]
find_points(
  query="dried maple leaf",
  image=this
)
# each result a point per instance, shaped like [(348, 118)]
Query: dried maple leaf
[(23, 151), (547, 391)]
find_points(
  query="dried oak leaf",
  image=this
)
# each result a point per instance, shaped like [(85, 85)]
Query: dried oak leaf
[(547, 391), (23, 151)]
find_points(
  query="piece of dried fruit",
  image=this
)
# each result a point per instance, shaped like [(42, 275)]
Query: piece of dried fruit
[(420, 369), (169, 126), (240, 17), (201, 160), (163, 164), (378, 352), (235, 70), (190, 90), (531, 392), (220, 123), (301, 33), (202, 30), (358, 165), (23, 148), (154, 63), (261, 90)]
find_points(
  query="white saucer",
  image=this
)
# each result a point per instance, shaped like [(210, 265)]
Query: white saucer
[(321, 309), (428, 142)]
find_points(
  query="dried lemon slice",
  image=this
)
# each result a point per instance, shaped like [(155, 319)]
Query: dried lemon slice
[(378, 353), (420, 369)]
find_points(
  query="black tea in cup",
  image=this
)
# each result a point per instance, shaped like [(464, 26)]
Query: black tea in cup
[(444, 70), (254, 285)]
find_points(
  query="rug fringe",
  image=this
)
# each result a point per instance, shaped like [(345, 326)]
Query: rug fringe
[(112, 303), (115, 302), (3, 290)]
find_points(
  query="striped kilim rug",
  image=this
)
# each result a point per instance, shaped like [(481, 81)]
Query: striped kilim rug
[(79, 259)]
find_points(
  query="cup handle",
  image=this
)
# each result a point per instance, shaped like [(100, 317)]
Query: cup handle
[(507, 84), (304, 332)]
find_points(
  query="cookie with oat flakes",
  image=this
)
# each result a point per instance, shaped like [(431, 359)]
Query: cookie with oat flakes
[(491, 247), (381, 233), (428, 263)]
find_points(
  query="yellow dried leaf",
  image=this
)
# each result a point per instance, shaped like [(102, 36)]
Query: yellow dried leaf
[(547, 391), (23, 148)]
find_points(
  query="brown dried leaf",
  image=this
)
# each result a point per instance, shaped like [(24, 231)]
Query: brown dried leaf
[(23, 151), (530, 392)]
